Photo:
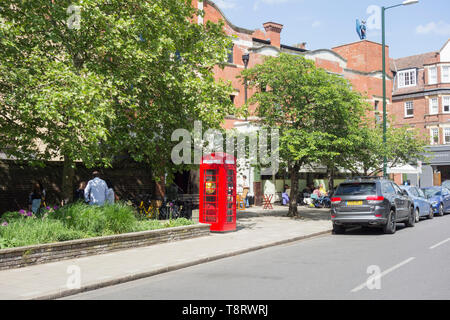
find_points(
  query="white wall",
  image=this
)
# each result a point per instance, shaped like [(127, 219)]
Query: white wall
[(445, 53)]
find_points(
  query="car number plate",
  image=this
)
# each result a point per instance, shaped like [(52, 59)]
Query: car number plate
[(354, 203)]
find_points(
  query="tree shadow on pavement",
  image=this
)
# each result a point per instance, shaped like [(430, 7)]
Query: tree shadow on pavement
[(304, 213)]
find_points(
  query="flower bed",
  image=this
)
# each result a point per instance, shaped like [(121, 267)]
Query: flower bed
[(76, 221)]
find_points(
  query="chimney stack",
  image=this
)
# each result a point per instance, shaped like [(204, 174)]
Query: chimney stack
[(273, 31)]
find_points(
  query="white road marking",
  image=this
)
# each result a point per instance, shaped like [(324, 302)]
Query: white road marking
[(438, 244), (384, 273)]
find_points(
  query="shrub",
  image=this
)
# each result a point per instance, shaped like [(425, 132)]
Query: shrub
[(24, 232), (97, 220), (75, 221), (10, 216)]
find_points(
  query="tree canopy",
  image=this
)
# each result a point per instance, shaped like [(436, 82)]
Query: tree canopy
[(86, 80), (315, 111)]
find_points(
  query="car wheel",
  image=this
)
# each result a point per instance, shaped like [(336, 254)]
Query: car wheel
[(411, 219), (441, 210), (391, 225), (431, 214), (338, 229), (417, 217)]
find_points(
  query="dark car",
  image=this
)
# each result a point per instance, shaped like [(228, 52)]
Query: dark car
[(373, 202), (439, 198)]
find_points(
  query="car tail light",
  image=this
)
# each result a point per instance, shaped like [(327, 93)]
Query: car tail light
[(336, 199), (375, 199)]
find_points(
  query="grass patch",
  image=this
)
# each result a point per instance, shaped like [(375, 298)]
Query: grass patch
[(75, 221)]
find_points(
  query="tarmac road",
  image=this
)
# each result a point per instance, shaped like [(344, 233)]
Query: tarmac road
[(414, 263)]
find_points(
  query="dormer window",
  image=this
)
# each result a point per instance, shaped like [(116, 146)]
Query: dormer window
[(407, 78)]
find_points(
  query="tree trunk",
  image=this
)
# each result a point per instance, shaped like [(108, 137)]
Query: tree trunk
[(330, 176), (67, 180), (293, 174)]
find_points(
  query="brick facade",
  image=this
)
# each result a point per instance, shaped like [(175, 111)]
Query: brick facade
[(129, 180), (359, 62), (427, 96)]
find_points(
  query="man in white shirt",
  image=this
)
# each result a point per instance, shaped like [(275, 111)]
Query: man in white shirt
[(96, 191)]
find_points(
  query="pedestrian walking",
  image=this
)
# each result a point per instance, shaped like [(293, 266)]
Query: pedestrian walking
[(245, 190), (96, 191), (35, 198)]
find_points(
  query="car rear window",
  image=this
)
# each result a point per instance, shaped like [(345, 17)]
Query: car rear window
[(431, 192), (356, 189)]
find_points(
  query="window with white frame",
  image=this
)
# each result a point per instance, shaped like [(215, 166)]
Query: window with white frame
[(407, 78), (434, 105), (446, 104), (434, 134), (409, 109), (446, 135), (230, 54), (445, 73), (432, 75)]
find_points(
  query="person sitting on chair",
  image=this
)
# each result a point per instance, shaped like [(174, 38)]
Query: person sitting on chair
[(285, 195)]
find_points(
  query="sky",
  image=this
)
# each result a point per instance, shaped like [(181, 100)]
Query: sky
[(410, 30)]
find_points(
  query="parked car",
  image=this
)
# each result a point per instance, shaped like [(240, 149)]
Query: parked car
[(446, 184), (439, 198), (374, 202), (422, 207)]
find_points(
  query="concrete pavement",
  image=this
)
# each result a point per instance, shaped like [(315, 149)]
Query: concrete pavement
[(256, 229)]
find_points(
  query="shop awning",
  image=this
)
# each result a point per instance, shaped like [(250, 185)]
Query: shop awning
[(407, 168)]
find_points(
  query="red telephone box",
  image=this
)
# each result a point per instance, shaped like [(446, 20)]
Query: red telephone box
[(218, 191)]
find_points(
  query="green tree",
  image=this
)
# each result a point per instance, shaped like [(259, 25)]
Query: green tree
[(313, 110), (403, 145), (84, 80)]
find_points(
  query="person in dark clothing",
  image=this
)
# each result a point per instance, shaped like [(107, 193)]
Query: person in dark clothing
[(35, 198), (79, 193)]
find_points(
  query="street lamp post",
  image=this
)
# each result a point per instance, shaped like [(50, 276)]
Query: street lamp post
[(383, 10), (245, 59)]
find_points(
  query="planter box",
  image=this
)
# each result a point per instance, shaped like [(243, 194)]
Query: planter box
[(50, 252)]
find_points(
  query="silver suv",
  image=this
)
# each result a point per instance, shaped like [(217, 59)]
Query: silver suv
[(373, 202)]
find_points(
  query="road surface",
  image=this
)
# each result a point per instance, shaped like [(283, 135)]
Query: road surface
[(414, 263)]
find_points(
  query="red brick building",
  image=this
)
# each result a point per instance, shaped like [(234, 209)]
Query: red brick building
[(359, 62), (421, 99)]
